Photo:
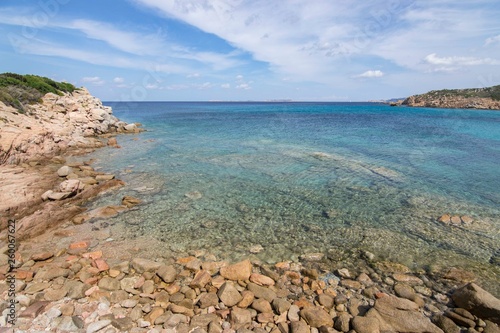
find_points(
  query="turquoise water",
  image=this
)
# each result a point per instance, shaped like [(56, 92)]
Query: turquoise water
[(296, 178)]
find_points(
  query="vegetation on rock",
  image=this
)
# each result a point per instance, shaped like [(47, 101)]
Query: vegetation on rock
[(489, 92), (19, 90)]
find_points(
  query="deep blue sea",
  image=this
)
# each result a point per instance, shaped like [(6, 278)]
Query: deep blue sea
[(285, 179)]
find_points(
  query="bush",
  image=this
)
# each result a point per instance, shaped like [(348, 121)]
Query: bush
[(18, 90)]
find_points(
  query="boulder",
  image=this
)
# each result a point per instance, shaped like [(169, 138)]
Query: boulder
[(401, 315), (478, 301)]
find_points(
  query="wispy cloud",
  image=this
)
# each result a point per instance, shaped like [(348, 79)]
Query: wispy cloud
[(433, 59), (370, 74), (95, 80)]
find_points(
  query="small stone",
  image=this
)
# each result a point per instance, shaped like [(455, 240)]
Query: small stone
[(240, 318), (262, 292), (261, 305), (167, 273), (261, 280), (238, 271), (256, 249), (130, 201), (446, 324), (342, 322), (293, 313), (444, 218), (70, 324), (148, 287), (316, 316), (64, 171), (142, 265), (129, 303), (326, 300), (42, 256), (344, 273), (281, 305), (108, 283), (207, 300), (229, 295), (201, 279), (299, 327), (456, 220), (365, 325), (312, 257)]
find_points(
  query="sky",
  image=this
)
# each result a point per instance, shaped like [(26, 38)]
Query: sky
[(239, 50)]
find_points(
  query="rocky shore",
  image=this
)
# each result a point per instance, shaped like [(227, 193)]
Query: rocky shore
[(481, 98), (73, 275)]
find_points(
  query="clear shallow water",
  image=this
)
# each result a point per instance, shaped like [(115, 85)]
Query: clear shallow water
[(312, 177)]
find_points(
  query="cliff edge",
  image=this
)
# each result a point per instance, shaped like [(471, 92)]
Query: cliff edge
[(476, 98), (54, 123)]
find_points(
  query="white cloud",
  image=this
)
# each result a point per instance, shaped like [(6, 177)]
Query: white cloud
[(225, 86), (122, 40), (95, 80), (492, 40), (244, 86), (371, 74), (433, 59), (193, 76), (118, 80)]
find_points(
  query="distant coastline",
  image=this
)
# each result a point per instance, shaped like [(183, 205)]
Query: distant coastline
[(474, 98)]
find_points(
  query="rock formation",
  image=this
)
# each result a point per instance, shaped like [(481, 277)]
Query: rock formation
[(72, 120), (481, 98)]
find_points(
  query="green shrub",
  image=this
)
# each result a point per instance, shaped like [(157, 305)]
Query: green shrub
[(18, 90)]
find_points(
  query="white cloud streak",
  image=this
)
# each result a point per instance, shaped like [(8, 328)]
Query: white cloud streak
[(370, 74)]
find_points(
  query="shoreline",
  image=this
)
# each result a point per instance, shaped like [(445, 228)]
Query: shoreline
[(76, 277)]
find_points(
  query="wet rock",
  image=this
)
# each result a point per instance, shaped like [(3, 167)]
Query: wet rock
[(238, 271), (229, 295), (194, 195), (312, 257), (130, 201), (478, 301), (316, 317)]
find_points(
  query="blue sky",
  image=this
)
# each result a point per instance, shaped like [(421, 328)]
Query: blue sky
[(314, 50)]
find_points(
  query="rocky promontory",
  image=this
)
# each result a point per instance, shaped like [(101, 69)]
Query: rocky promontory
[(477, 98), (37, 132)]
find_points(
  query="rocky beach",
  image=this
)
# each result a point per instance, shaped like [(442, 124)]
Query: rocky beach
[(73, 275)]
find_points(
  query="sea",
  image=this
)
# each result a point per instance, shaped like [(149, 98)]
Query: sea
[(277, 181)]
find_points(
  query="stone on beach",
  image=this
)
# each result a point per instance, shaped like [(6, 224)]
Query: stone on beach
[(64, 171), (478, 301), (238, 271)]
